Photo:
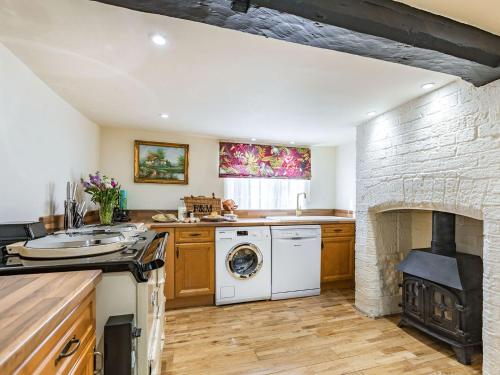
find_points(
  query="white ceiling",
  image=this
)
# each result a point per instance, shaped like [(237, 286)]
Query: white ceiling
[(484, 14), (211, 81)]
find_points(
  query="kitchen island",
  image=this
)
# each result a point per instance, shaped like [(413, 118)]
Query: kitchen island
[(47, 322)]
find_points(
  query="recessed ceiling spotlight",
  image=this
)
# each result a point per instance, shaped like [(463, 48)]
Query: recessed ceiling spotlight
[(253, 139), (428, 86), (371, 113), (292, 142), (158, 39), (164, 115)]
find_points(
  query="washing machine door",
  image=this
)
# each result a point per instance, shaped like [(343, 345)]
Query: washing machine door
[(244, 261)]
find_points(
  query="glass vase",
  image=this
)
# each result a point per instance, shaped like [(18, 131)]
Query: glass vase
[(106, 213)]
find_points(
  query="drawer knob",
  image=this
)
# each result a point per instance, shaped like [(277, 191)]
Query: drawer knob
[(67, 351)]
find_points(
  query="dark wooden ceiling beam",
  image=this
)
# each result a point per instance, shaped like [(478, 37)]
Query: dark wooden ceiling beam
[(381, 29), (398, 22)]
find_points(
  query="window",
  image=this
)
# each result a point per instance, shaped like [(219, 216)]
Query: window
[(265, 193)]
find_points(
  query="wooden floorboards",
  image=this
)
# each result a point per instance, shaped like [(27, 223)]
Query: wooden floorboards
[(315, 335)]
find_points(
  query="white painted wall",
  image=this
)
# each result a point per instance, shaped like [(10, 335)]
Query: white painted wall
[(322, 187), (345, 185), (117, 160), (44, 142)]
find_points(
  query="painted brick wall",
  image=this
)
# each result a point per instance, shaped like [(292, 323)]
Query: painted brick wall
[(440, 151)]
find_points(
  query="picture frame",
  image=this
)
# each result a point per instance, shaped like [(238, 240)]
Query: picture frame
[(161, 163)]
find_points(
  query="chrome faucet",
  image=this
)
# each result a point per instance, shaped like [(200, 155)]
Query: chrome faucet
[(298, 210)]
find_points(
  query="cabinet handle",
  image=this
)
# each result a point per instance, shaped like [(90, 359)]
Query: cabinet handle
[(66, 352), (194, 234), (322, 245), (101, 360), (337, 230), (177, 251)]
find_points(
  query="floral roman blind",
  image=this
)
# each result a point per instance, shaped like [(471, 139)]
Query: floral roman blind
[(264, 161)]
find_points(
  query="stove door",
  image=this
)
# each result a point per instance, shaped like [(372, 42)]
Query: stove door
[(413, 298), (441, 310)]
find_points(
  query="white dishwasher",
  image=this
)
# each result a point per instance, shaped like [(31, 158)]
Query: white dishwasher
[(296, 261)]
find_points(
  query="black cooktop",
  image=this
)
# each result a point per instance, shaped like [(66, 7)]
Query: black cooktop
[(145, 255)]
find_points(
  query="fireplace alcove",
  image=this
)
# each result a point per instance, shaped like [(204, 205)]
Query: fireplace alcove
[(396, 232)]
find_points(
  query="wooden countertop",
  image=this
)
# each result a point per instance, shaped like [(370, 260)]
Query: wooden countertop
[(31, 306), (250, 222)]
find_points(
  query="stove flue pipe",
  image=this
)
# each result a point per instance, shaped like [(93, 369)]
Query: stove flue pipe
[(443, 234)]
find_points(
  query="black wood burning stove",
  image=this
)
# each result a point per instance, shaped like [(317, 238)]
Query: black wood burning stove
[(443, 290)]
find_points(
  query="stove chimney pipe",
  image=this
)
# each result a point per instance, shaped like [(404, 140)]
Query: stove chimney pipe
[(443, 234)]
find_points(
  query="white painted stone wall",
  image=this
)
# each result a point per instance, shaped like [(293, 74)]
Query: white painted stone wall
[(440, 151)]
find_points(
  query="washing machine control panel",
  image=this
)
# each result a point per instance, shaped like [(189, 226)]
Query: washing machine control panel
[(239, 234)]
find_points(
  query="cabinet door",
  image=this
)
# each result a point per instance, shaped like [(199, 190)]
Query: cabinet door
[(337, 259), (194, 269)]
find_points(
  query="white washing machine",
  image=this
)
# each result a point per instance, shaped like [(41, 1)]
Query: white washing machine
[(242, 264)]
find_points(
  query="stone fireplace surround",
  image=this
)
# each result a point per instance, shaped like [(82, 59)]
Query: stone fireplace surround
[(438, 152)]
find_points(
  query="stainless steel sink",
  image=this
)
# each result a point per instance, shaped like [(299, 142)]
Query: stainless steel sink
[(308, 218)]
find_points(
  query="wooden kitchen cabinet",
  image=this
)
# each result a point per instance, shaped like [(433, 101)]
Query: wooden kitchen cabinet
[(190, 262), (190, 266), (70, 348), (52, 325), (337, 255), (194, 269)]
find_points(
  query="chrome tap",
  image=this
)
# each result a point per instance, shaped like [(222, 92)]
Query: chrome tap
[(298, 210)]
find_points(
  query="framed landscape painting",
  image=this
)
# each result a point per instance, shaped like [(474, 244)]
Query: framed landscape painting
[(161, 163)]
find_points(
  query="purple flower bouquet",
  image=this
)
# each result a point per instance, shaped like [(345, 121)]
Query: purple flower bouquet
[(104, 191)]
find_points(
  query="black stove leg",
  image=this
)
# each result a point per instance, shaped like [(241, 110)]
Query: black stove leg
[(464, 354), (402, 322)]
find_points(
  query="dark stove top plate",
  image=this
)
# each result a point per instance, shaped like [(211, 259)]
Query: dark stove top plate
[(146, 254)]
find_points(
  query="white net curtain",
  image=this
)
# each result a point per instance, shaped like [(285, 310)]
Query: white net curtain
[(265, 193)]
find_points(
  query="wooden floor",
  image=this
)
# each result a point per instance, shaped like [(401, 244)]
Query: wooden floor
[(315, 335)]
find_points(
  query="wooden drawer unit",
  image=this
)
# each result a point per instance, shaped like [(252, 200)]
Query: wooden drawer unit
[(194, 235), (69, 348), (337, 229)]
